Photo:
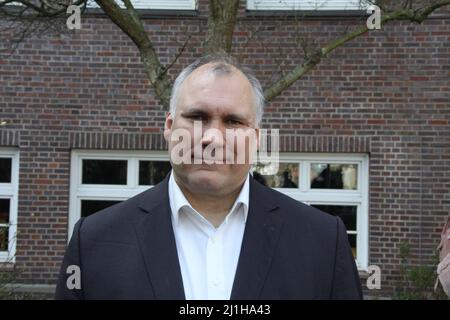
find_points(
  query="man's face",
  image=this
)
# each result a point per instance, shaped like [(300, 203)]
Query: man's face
[(218, 103)]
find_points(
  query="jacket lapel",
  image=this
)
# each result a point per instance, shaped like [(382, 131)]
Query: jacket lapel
[(157, 243), (261, 234)]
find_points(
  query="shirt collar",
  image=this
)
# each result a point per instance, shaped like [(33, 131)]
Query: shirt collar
[(178, 200)]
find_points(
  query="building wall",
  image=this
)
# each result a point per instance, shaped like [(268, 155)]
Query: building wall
[(386, 93)]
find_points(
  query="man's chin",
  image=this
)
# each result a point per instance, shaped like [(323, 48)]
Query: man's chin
[(206, 177)]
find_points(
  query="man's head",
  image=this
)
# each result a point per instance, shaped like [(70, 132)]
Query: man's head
[(220, 96)]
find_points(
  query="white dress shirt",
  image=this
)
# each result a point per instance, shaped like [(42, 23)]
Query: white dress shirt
[(208, 256)]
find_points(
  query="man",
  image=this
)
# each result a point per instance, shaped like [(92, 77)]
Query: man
[(209, 230)]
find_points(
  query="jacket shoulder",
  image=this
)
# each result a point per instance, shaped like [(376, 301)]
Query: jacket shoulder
[(115, 223), (296, 212)]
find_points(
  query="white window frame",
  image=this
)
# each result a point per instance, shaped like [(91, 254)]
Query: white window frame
[(358, 197), (10, 191), (106, 192), (157, 5), (303, 193), (305, 5)]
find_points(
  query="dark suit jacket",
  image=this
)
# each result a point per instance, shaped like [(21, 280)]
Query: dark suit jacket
[(289, 251)]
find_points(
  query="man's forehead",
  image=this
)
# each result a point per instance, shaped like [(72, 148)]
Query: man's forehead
[(230, 89), (217, 67), (232, 83), (217, 70)]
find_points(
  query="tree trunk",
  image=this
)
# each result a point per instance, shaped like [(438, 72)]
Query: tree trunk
[(221, 22)]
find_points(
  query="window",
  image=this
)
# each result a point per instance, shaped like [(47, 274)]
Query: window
[(304, 5), (9, 181), (157, 5), (100, 179), (334, 183)]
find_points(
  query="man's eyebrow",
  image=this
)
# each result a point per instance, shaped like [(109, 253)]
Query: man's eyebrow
[(235, 117), (194, 112)]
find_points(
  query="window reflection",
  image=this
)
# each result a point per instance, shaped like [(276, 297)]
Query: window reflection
[(4, 224), (5, 170), (334, 176), (153, 172), (4, 234), (104, 171), (4, 211), (348, 215), (287, 175)]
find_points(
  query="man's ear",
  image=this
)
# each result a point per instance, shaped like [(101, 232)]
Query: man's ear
[(168, 127)]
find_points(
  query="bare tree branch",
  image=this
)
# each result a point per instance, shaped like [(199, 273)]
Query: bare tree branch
[(40, 8), (180, 52), (221, 24), (21, 19), (128, 20), (418, 15)]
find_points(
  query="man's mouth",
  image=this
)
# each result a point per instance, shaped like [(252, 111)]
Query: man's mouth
[(206, 161)]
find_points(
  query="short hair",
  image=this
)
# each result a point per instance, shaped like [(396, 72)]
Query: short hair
[(222, 64)]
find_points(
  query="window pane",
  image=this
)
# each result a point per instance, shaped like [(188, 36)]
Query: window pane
[(286, 177), (104, 172), (348, 216), (5, 170), (352, 241), (4, 234), (4, 211), (334, 176), (346, 213), (153, 172), (89, 207), (309, 5)]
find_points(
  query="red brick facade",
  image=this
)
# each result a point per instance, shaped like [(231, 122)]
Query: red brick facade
[(386, 94)]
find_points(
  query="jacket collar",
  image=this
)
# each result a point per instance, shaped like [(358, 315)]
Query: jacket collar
[(261, 235), (156, 241)]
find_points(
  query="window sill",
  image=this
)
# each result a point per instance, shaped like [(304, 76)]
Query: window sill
[(307, 13), (148, 13), (363, 274)]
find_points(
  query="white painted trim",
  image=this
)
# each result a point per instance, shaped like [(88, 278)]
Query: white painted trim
[(11, 191), (157, 4), (79, 191), (314, 5), (358, 197)]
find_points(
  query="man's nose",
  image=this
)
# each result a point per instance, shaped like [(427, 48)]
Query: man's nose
[(213, 132), (214, 124)]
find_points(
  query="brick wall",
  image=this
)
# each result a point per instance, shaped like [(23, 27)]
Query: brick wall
[(386, 93)]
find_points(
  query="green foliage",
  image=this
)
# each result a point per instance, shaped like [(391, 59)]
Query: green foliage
[(7, 283), (417, 282)]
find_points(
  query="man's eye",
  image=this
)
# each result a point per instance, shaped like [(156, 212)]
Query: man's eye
[(196, 117), (233, 122)]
